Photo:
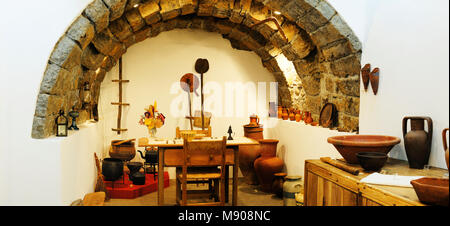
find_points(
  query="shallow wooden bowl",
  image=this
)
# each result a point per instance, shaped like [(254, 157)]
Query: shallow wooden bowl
[(432, 191)]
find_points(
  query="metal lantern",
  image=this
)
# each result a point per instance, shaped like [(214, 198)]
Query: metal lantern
[(74, 115), (61, 124), (86, 94)]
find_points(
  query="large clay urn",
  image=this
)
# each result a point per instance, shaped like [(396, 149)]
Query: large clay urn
[(248, 153), (444, 142), (417, 140), (268, 164)]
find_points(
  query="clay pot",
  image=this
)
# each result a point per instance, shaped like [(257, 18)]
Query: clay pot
[(292, 114), (444, 142), (268, 164), (307, 117), (417, 141), (254, 120), (277, 184), (112, 169), (298, 116), (280, 112), (291, 187), (285, 114), (248, 154)]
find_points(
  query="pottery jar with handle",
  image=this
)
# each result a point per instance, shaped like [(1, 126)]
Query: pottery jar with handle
[(291, 187), (298, 116), (280, 112), (444, 142), (417, 140), (292, 114), (285, 114)]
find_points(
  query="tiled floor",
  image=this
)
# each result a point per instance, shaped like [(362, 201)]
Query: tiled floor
[(248, 195)]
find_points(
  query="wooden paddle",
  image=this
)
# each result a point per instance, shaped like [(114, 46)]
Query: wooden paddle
[(339, 165), (124, 141), (202, 66)]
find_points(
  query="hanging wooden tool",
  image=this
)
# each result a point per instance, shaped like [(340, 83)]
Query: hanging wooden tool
[(189, 83), (202, 66), (120, 103), (100, 185)]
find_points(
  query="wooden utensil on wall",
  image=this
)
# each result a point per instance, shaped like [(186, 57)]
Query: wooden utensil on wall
[(374, 78), (202, 66), (365, 71)]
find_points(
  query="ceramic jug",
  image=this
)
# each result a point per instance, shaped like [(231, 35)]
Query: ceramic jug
[(292, 114), (298, 116), (444, 142), (254, 120), (285, 114), (417, 140), (277, 185), (291, 187), (280, 111)]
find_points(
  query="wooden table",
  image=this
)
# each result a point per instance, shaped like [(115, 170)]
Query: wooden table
[(326, 185), (170, 155)]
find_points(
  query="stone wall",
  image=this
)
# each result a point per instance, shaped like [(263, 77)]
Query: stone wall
[(320, 45)]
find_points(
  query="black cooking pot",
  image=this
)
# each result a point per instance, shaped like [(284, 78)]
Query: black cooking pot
[(134, 166), (112, 169), (137, 178)]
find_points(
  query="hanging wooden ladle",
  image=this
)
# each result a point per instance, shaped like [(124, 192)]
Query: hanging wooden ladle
[(202, 66), (189, 83)]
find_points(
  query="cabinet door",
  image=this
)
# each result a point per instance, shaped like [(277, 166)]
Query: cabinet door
[(322, 192)]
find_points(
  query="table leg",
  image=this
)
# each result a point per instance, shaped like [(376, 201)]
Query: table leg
[(160, 176), (227, 182), (235, 175)]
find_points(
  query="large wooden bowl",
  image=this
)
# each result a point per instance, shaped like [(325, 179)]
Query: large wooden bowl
[(433, 191), (349, 145)]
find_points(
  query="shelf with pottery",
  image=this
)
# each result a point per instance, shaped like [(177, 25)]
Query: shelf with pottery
[(326, 185)]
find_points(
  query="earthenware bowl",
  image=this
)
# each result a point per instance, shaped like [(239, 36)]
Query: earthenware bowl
[(372, 161), (349, 145), (432, 191)]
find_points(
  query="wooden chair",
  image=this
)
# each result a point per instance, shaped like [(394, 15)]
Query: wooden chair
[(207, 132), (201, 160)]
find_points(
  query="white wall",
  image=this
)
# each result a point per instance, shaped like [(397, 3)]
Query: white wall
[(409, 41), (154, 68), (30, 170)]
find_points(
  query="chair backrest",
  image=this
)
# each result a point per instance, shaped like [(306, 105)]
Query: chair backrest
[(204, 153), (207, 132)]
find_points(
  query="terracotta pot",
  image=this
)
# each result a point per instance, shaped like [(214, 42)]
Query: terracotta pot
[(280, 111), (298, 116), (268, 164), (444, 142), (285, 115), (277, 184), (417, 141), (292, 115), (248, 154), (308, 119)]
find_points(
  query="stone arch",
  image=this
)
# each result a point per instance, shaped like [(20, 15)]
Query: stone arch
[(321, 47)]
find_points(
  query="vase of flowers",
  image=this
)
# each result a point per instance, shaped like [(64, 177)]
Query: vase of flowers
[(152, 119)]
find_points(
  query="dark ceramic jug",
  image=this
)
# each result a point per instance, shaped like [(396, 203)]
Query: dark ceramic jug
[(112, 169), (417, 141)]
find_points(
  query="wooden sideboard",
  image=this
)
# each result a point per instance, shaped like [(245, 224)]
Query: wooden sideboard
[(326, 185)]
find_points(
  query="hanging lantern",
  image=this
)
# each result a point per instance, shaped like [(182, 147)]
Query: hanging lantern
[(86, 94), (61, 124)]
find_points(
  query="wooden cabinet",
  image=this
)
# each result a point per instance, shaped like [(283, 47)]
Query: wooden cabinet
[(326, 185)]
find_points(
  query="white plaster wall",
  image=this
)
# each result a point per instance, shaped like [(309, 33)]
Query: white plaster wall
[(154, 68), (30, 170), (409, 41)]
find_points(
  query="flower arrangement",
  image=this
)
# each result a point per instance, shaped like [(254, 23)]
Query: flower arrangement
[(152, 119)]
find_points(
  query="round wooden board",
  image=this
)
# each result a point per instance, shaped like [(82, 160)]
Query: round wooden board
[(327, 115)]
